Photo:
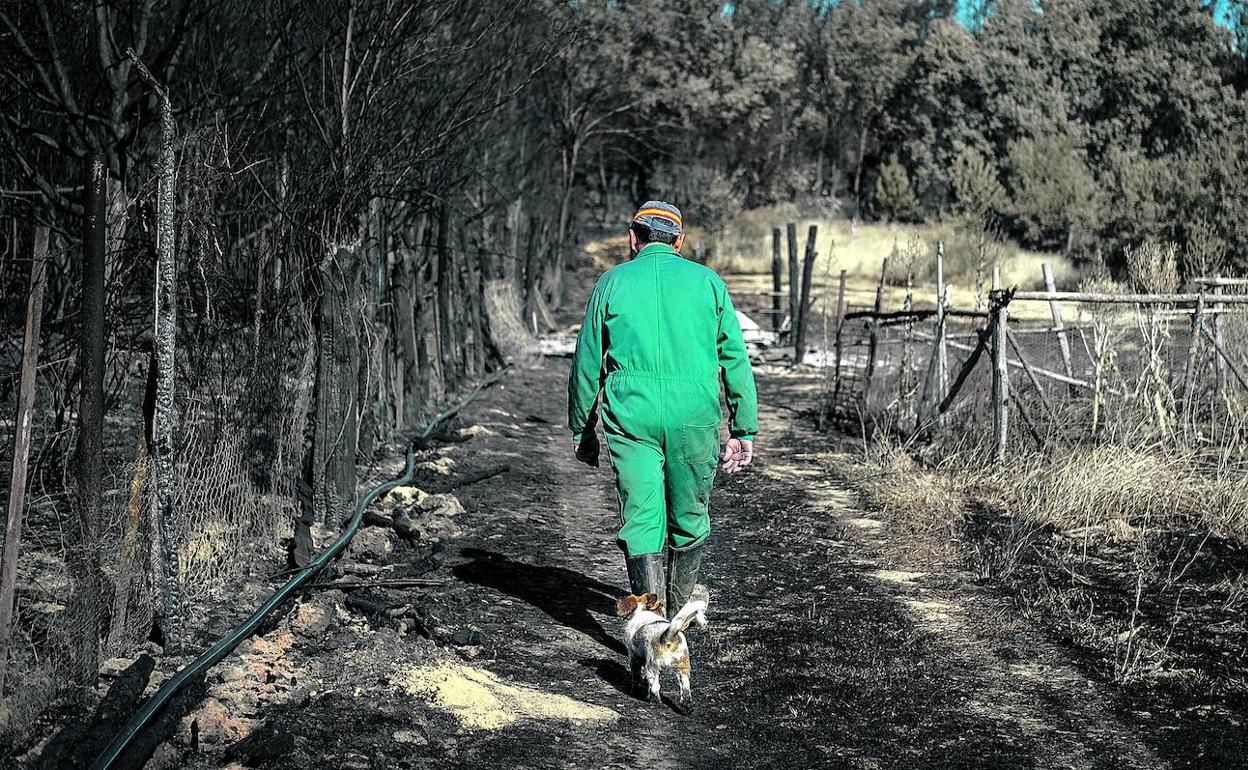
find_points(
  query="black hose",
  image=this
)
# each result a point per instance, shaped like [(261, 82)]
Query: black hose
[(226, 645)]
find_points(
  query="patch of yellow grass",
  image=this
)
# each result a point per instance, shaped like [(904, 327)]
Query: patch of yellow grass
[(480, 700), (743, 254), (748, 248)]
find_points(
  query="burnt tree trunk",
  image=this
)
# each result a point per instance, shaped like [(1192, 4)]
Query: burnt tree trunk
[(405, 329), (21, 445), (476, 290), (84, 552), (777, 273), (431, 384), (337, 378), (530, 272), (446, 278), (163, 454)]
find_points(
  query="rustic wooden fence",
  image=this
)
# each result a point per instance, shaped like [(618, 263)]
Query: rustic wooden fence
[(1161, 366)]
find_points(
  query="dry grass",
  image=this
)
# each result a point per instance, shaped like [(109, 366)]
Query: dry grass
[(1140, 514), (745, 247), (742, 253), (893, 483), (1105, 488)]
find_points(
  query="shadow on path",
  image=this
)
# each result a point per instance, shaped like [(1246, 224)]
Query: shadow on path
[(565, 595)]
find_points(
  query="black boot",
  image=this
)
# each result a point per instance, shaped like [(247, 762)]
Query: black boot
[(682, 573), (647, 575)]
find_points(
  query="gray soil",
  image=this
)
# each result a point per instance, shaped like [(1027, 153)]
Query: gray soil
[(825, 648)]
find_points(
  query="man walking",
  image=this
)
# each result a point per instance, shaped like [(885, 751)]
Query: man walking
[(659, 333)]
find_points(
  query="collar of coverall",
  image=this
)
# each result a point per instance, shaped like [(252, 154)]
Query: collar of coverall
[(655, 248)]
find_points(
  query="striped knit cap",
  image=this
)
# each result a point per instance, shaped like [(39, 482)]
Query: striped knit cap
[(659, 216)]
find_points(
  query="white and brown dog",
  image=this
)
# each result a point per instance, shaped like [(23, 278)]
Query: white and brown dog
[(655, 643)]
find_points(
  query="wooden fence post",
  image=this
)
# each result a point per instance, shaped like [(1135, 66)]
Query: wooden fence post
[(1230, 362), (873, 335), (336, 425), (777, 270), (937, 374), (1000, 374), (1219, 363), (1189, 372), (21, 445), (1056, 311), (803, 307), (794, 281), (166, 334), (942, 354), (840, 325)]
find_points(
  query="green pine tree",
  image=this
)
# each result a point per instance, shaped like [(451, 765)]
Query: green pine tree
[(894, 197)]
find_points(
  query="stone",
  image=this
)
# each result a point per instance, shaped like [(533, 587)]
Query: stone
[(115, 666), (467, 637), (321, 536), (441, 466), (371, 544), (165, 757), (231, 674), (311, 618), (216, 724), (410, 737), (404, 497), (404, 525), (355, 762), (441, 505)]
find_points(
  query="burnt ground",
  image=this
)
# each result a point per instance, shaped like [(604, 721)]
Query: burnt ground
[(827, 647)]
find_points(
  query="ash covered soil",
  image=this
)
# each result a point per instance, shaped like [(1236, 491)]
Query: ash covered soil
[(827, 646)]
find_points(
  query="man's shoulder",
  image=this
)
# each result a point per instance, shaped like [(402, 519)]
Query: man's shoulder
[(700, 274), (685, 267), (704, 271)]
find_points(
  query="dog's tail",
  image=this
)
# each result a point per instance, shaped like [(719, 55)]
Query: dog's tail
[(693, 611)]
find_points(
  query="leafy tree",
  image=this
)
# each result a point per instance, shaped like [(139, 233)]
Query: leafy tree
[(868, 48), (939, 109), (1056, 199)]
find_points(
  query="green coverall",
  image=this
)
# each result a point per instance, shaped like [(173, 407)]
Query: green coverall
[(658, 331)]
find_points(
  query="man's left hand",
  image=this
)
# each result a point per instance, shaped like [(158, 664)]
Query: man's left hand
[(738, 453)]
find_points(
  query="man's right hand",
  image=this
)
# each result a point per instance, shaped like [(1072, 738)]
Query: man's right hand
[(738, 453), (587, 448)]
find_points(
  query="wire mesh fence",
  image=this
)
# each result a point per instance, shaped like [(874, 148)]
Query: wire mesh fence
[(296, 364)]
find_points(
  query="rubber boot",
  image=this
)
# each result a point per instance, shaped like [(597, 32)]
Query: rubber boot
[(646, 575), (682, 573)]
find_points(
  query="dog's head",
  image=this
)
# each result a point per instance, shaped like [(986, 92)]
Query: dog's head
[(627, 605)]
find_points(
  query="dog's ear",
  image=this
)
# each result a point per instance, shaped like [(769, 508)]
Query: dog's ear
[(625, 605), (653, 603)]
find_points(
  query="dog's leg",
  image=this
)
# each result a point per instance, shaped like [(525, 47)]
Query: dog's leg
[(635, 665), (652, 680), (684, 704)]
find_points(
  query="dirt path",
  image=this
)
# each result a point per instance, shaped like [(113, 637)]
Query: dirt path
[(825, 648)]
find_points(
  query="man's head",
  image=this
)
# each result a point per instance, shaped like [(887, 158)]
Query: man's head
[(656, 222)]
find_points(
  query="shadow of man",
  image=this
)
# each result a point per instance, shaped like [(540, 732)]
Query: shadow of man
[(565, 595)]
